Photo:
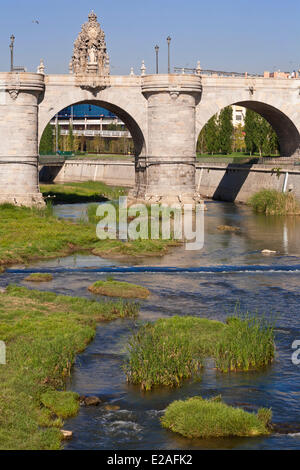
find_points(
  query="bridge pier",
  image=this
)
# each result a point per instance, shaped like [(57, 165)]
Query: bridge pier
[(167, 173), (19, 94)]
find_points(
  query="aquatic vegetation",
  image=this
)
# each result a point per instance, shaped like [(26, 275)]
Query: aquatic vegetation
[(272, 202), (171, 350), (43, 332), (199, 418), (112, 288), (39, 277), (247, 344)]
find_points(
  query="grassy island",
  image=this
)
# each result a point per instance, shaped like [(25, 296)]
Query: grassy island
[(272, 202), (199, 418), (30, 234), (168, 351), (43, 332), (39, 277), (112, 288)]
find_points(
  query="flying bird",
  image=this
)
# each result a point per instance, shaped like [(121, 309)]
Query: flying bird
[(36, 21)]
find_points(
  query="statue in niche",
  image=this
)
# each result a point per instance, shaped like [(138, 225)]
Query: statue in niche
[(90, 55)]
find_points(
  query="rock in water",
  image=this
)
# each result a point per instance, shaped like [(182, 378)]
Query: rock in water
[(92, 401), (228, 228), (66, 434), (112, 407)]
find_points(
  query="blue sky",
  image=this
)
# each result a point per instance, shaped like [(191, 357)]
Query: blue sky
[(232, 35)]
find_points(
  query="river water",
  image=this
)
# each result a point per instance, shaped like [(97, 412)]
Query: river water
[(212, 293)]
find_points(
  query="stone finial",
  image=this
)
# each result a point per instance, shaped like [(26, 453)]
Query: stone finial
[(90, 55), (41, 67), (143, 69), (70, 66), (198, 68), (131, 72)]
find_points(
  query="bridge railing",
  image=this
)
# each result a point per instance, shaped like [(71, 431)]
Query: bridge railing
[(94, 133), (213, 73)]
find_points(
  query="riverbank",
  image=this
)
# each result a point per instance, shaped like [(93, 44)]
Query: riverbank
[(89, 191), (43, 332), (32, 234)]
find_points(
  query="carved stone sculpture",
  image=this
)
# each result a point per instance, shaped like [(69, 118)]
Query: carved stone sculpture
[(90, 55)]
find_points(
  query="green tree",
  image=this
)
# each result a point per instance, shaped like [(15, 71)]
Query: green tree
[(212, 135), (250, 131), (70, 139), (225, 130), (239, 139), (46, 144)]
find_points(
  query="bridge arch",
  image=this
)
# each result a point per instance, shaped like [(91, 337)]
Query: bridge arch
[(283, 121), (128, 105)]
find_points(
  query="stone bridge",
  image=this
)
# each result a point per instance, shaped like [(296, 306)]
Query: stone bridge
[(164, 114)]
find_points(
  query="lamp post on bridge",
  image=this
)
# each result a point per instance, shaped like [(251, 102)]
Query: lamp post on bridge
[(156, 51), (169, 66), (11, 46)]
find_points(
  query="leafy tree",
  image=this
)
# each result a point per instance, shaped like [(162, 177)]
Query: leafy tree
[(250, 130), (46, 144), (212, 135), (70, 139), (225, 130), (239, 139)]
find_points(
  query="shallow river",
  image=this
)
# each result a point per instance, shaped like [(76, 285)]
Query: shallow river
[(98, 371)]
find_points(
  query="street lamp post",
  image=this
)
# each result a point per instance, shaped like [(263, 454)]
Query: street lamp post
[(169, 66), (11, 46), (156, 51)]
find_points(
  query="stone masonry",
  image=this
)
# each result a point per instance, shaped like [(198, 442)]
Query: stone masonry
[(164, 113)]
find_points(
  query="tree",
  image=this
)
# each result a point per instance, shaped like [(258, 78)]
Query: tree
[(212, 135), (225, 130), (70, 139), (46, 144), (239, 139), (250, 130)]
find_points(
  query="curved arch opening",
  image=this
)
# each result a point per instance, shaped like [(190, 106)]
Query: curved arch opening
[(286, 131), (129, 122)]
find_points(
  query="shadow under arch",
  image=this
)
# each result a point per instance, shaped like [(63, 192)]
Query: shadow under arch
[(129, 121), (287, 133)]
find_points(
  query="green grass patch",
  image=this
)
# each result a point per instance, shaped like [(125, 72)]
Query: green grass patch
[(90, 191), (199, 418), (272, 202), (113, 288), (43, 333), (168, 351), (28, 234), (63, 404), (39, 277)]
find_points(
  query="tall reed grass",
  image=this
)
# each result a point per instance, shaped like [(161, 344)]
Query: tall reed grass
[(169, 351), (272, 202)]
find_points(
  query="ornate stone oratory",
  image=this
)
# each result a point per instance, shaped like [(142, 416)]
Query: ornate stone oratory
[(164, 113), (90, 55)]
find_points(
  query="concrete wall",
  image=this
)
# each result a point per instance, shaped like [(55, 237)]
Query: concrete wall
[(118, 173), (223, 182), (237, 183)]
